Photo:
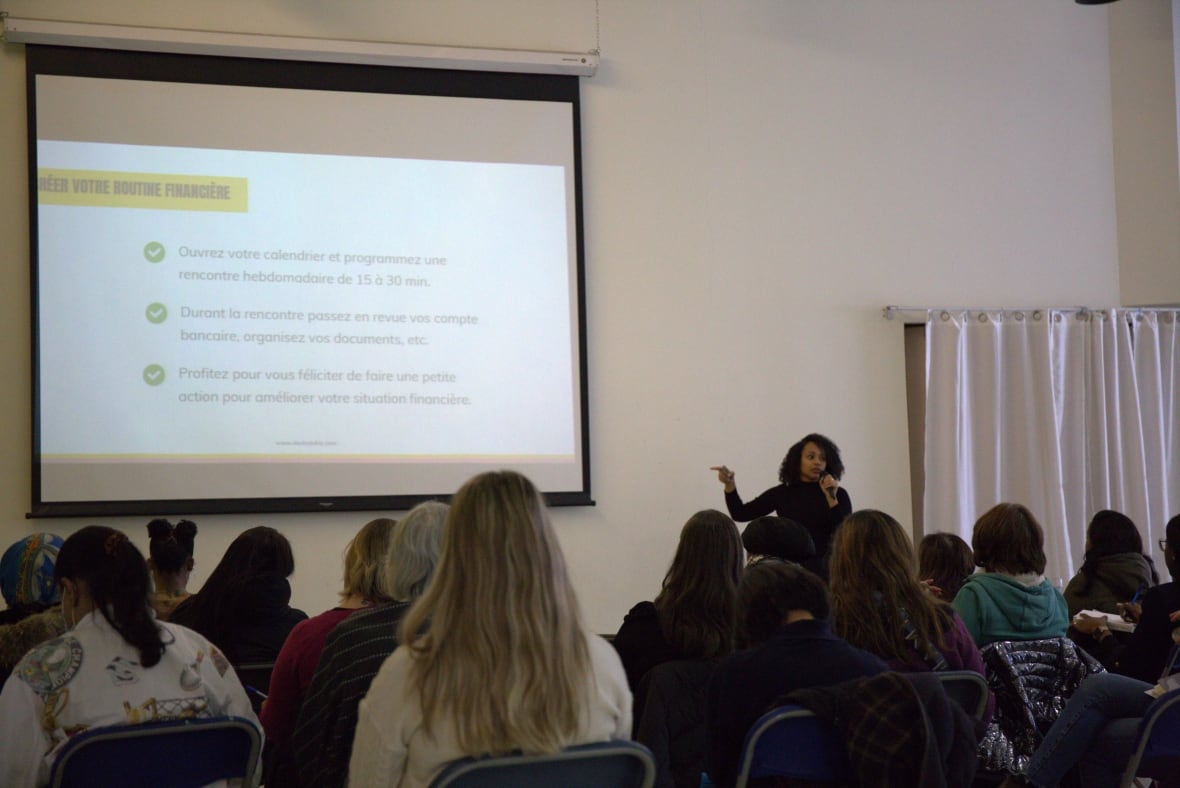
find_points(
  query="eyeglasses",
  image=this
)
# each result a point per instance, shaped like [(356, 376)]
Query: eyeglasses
[(1163, 544)]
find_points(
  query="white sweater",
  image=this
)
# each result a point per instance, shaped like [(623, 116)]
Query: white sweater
[(391, 748), (90, 677)]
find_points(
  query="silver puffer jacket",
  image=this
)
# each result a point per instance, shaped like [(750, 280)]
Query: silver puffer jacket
[(1031, 680)]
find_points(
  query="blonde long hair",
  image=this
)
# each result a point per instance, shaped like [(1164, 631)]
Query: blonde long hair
[(503, 652)]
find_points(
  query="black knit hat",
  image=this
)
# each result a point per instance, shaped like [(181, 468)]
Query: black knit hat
[(778, 537)]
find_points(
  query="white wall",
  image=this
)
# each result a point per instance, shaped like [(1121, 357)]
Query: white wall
[(761, 177), (1147, 178)]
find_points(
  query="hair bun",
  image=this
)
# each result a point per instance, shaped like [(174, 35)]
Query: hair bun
[(159, 528), (186, 529)]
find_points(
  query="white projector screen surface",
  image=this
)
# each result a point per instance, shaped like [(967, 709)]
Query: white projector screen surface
[(274, 296)]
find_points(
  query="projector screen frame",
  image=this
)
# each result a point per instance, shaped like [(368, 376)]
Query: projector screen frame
[(220, 70)]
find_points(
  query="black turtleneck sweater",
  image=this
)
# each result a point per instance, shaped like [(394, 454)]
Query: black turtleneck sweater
[(806, 504)]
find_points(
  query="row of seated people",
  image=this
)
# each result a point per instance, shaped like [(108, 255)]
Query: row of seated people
[(497, 658), (1007, 622), (498, 661)]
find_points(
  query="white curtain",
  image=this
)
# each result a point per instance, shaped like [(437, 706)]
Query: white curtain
[(1065, 411)]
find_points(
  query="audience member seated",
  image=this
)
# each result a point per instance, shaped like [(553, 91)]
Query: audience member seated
[(244, 605), (1010, 599), (777, 537), (694, 615), (117, 665), (34, 611), (364, 564), (355, 650), (945, 562), (170, 548), (495, 658), (1115, 568), (26, 576), (784, 612), (879, 605), (1096, 732), (1158, 627)]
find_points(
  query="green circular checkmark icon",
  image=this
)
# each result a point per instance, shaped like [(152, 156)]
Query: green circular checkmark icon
[(156, 312), (154, 252), (153, 374)]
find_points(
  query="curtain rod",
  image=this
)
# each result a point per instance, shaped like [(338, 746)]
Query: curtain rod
[(914, 312)]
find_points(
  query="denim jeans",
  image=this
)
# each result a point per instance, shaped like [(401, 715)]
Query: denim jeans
[(1096, 732)]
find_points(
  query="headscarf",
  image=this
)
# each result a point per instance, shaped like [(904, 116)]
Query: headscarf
[(26, 571)]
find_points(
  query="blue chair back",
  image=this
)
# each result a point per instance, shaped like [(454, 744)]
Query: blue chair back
[(613, 764), (791, 741), (966, 688), (176, 753), (1157, 748)]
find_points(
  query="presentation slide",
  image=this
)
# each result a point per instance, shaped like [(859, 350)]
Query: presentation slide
[(296, 316)]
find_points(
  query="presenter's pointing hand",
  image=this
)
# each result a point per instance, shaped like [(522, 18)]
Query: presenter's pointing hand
[(725, 476)]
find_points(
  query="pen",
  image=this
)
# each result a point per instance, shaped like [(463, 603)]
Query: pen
[(1138, 591), (255, 690)]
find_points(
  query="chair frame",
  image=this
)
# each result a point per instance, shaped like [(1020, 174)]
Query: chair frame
[(81, 747), (825, 737), (966, 682), (1166, 704), (482, 771), (1171, 662)]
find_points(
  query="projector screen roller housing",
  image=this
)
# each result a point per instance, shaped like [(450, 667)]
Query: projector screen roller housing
[(275, 286)]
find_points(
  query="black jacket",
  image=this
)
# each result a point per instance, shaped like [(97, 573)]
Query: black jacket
[(261, 620), (641, 645), (671, 720)]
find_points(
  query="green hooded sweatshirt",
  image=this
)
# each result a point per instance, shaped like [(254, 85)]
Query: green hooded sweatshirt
[(998, 607), (1116, 578)]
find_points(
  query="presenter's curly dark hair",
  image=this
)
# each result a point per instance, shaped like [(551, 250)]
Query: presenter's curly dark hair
[(788, 472), (116, 576)]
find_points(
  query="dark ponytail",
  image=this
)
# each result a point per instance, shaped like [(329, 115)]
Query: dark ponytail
[(171, 546), (116, 576)]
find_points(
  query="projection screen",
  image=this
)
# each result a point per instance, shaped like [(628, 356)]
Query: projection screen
[(277, 286)]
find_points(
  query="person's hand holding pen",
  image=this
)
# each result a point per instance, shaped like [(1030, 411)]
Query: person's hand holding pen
[(1133, 610)]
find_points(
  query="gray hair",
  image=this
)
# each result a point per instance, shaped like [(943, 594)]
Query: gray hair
[(413, 550)]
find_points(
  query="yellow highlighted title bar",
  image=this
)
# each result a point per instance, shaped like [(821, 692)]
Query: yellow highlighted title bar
[(104, 189)]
